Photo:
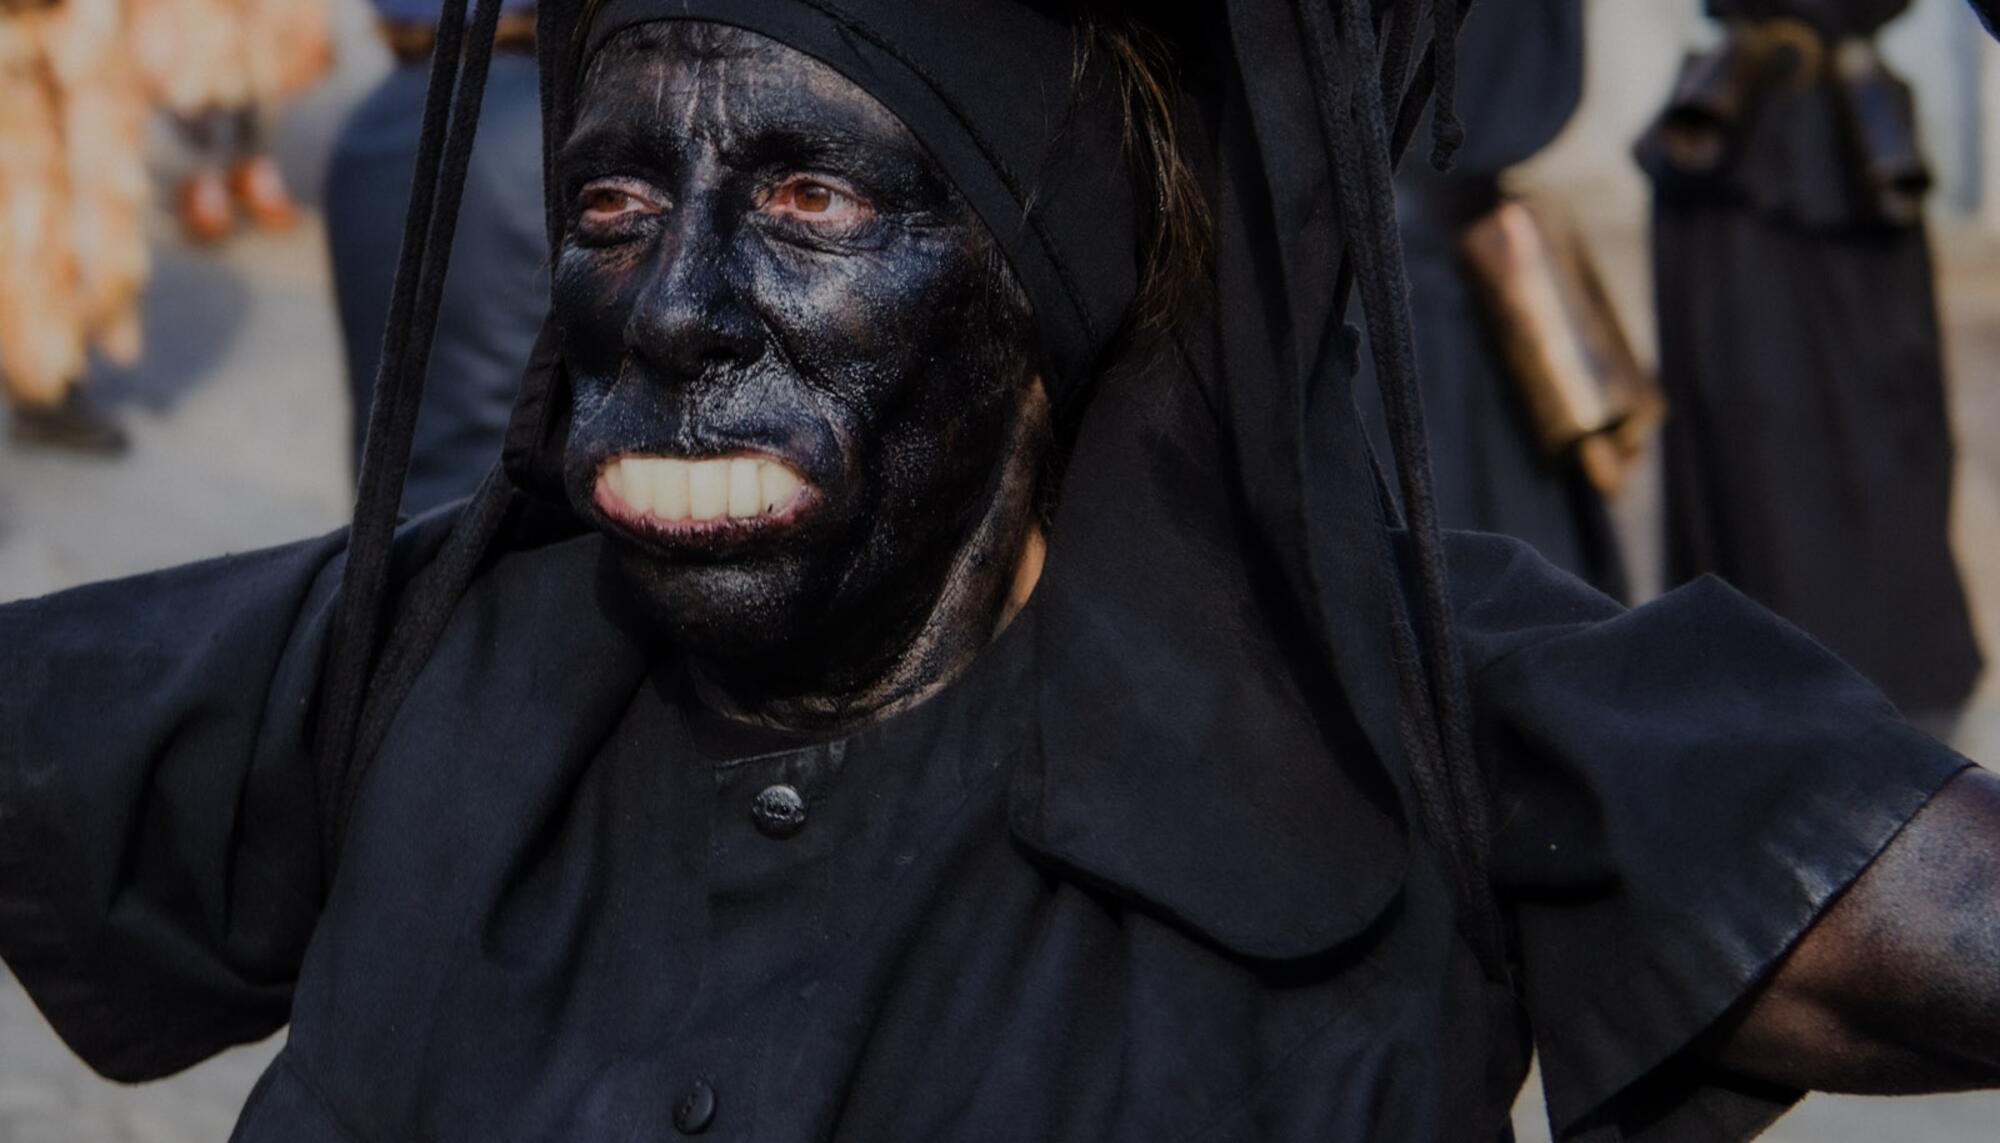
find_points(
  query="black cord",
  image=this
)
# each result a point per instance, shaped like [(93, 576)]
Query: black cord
[(432, 597), (1435, 711), (1447, 133), (451, 118)]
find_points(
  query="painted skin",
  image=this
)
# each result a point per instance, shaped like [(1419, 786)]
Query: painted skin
[(764, 264)]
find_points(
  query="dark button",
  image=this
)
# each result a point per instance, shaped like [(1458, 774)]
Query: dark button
[(696, 1110), (779, 811)]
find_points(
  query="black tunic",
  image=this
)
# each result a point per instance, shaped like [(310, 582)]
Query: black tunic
[(555, 915), (1809, 456), (1522, 78)]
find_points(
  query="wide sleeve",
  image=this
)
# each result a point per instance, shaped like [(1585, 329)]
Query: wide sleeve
[(159, 839), (1681, 790)]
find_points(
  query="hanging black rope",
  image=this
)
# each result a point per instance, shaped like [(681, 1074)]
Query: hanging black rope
[(1435, 718), (451, 117), (1447, 133)]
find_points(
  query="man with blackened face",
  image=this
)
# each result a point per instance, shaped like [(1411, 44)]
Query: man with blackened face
[(806, 396), (767, 753)]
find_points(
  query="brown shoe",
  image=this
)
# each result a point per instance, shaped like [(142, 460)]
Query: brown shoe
[(75, 424), (261, 190), (205, 213)]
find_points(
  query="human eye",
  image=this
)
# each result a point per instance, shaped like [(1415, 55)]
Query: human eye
[(817, 202), (605, 204)]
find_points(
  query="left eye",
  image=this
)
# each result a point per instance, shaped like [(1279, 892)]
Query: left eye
[(817, 203)]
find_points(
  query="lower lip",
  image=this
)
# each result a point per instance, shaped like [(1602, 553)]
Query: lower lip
[(722, 531)]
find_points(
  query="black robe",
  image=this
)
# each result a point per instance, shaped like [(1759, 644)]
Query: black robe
[(1809, 455), (1151, 870), (1522, 78), (1017, 911)]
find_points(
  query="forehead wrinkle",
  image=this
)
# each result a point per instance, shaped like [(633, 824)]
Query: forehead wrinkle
[(758, 85), (689, 105), (727, 88)]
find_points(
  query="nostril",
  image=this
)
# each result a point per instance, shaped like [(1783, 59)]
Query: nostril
[(687, 337)]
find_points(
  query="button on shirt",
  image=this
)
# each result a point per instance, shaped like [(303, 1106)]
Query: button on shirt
[(779, 811)]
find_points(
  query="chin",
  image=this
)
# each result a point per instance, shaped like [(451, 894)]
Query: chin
[(728, 611)]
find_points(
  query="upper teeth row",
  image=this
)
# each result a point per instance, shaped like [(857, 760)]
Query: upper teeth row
[(671, 489)]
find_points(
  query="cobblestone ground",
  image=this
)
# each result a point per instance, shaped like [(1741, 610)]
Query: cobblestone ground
[(238, 425)]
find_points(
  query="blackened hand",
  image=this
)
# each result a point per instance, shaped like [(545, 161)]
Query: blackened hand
[(1897, 988)]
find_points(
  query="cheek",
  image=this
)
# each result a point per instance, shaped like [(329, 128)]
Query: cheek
[(593, 292), (930, 352), (883, 328)]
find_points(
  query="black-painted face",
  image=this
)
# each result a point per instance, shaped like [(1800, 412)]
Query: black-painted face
[(802, 371)]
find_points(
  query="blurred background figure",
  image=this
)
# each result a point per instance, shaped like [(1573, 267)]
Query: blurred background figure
[(1809, 459), (1520, 80), (73, 193), (222, 68), (497, 290)]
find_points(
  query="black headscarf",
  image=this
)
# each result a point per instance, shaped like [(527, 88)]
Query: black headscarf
[(1228, 567)]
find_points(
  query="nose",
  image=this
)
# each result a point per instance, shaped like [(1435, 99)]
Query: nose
[(692, 318)]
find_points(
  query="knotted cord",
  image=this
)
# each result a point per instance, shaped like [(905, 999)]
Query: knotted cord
[(1364, 143)]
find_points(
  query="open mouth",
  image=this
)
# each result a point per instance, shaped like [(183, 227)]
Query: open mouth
[(668, 497)]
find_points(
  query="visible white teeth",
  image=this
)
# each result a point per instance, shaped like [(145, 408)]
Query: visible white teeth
[(744, 495), (779, 486), (677, 490), (637, 484), (708, 489), (670, 489)]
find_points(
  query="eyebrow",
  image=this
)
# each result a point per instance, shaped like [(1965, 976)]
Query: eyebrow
[(610, 139), (777, 138), (770, 138)]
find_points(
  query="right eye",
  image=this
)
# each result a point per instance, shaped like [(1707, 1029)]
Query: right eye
[(609, 201)]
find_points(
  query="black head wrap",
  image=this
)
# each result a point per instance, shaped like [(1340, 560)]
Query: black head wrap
[(1232, 579)]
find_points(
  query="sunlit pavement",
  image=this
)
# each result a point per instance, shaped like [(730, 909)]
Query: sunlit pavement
[(239, 424)]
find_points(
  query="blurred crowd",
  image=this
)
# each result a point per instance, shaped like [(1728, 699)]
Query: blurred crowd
[(79, 82), (1798, 414)]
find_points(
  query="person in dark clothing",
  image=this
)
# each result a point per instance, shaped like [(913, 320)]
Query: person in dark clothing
[(1521, 81), (891, 693), (1809, 456), (498, 292)]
